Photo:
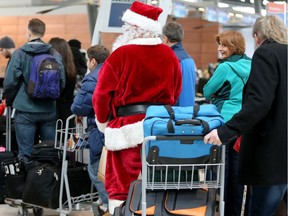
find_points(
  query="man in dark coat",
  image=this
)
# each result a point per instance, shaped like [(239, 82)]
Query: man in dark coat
[(262, 121)]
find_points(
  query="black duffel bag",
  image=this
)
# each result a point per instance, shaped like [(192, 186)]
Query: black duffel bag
[(42, 186), (45, 152)]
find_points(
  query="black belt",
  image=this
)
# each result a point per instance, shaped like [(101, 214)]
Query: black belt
[(132, 110)]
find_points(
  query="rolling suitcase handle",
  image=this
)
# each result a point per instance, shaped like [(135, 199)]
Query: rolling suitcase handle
[(8, 128), (244, 201)]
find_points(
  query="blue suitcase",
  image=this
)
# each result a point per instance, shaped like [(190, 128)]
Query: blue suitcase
[(186, 126)]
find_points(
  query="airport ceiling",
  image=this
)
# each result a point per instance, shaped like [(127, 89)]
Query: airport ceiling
[(196, 3), (248, 9)]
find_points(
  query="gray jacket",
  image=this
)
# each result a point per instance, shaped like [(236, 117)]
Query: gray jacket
[(19, 69)]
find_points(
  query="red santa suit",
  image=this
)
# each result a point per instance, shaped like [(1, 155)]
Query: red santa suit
[(144, 71)]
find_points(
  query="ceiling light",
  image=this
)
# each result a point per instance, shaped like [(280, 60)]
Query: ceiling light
[(222, 5), (249, 10), (154, 2), (192, 1), (201, 9)]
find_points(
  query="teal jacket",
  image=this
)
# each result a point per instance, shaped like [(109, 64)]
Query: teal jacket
[(225, 86), (19, 69)]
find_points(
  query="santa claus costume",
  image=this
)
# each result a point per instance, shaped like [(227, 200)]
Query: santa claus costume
[(140, 73)]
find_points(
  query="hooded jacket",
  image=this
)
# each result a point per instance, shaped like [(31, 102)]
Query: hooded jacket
[(226, 84), (82, 106), (18, 72)]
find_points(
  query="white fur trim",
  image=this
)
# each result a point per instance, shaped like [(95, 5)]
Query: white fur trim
[(101, 126), (128, 136), (141, 21), (113, 204), (145, 41)]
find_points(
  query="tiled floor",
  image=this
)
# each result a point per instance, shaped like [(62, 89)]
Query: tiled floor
[(6, 210)]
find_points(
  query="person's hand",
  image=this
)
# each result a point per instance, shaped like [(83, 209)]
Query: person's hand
[(79, 120), (212, 138)]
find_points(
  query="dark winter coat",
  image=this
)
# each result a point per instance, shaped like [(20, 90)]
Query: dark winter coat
[(263, 119), (82, 106)]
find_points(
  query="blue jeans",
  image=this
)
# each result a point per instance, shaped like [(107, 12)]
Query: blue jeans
[(28, 124), (93, 173), (265, 200)]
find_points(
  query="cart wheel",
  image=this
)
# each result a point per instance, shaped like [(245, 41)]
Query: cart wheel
[(38, 211)]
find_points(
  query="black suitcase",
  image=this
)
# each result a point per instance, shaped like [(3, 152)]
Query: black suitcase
[(170, 202), (7, 155), (42, 186), (3, 157)]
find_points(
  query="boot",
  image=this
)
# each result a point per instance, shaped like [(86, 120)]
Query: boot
[(113, 204)]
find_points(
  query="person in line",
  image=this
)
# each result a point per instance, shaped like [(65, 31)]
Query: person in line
[(172, 36), (224, 89), (80, 61), (30, 115), (65, 100), (82, 106), (262, 121), (139, 72), (79, 57), (7, 47)]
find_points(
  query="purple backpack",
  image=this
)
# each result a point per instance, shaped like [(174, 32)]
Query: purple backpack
[(44, 80)]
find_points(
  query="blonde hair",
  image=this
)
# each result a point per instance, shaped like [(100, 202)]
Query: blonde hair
[(233, 40), (270, 28)]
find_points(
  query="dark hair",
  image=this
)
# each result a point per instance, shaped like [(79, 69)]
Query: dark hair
[(173, 31), (62, 46), (37, 27), (233, 40), (74, 43), (99, 53)]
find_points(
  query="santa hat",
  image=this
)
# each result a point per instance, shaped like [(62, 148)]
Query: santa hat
[(144, 16)]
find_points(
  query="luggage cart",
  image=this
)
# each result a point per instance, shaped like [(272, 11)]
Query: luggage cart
[(73, 203), (63, 138), (159, 177)]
